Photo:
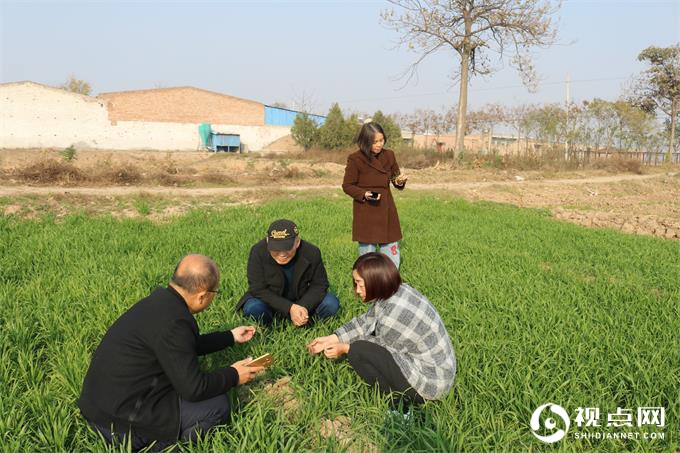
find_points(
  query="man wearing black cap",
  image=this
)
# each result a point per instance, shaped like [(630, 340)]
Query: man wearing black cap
[(287, 278)]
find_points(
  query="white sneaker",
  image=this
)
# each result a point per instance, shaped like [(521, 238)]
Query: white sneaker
[(399, 415)]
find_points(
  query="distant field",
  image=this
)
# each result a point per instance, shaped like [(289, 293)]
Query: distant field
[(538, 311)]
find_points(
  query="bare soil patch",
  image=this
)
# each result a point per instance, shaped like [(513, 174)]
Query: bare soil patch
[(161, 185), (648, 205), (340, 429), (283, 394)]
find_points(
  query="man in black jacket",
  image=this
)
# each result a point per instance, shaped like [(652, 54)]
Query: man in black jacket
[(144, 382), (287, 278)]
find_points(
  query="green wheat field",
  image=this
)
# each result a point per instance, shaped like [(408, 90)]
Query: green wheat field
[(538, 311)]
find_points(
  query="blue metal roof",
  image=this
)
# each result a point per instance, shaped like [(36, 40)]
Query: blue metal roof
[(277, 116)]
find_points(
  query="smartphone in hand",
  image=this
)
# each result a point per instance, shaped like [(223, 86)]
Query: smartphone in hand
[(375, 196)]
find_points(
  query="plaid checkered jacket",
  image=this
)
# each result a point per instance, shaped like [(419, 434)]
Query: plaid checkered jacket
[(409, 327)]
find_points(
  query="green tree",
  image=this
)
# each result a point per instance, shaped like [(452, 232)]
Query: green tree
[(667, 130), (601, 122), (659, 86), (547, 123), (636, 125), (352, 128), (472, 29), (333, 132), (77, 86), (304, 131), (391, 128)]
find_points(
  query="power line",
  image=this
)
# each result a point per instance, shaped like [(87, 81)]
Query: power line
[(439, 93), (619, 3)]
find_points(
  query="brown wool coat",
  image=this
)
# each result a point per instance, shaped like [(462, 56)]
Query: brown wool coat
[(373, 222)]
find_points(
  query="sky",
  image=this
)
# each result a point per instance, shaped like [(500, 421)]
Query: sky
[(319, 52)]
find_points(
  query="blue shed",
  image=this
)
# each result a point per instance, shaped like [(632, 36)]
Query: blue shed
[(277, 116), (225, 142)]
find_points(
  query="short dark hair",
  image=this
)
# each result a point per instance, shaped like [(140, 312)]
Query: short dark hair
[(367, 136), (204, 276), (380, 274)]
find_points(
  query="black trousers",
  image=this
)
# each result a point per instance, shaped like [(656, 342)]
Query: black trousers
[(195, 417), (376, 366)]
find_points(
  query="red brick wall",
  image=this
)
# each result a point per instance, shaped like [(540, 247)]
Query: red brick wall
[(183, 105)]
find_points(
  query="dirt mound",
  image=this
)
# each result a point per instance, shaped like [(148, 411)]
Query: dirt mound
[(283, 394), (50, 171), (12, 209), (283, 145), (120, 174), (340, 429), (619, 165)]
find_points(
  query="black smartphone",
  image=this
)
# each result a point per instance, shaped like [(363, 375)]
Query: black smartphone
[(375, 196)]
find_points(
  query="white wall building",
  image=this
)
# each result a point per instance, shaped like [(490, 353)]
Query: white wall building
[(33, 115)]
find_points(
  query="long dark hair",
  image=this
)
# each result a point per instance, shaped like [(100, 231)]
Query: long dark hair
[(381, 276), (367, 136)]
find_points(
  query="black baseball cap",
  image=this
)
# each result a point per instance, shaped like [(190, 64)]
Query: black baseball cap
[(281, 235)]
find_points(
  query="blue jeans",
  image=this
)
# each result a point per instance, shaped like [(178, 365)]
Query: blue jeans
[(262, 312), (391, 250)]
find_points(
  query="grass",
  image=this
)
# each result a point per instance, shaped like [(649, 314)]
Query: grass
[(538, 311)]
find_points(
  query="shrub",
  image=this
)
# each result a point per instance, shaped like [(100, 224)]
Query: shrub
[(122, 174), (50, 171), (304, 131), (618, 164), (68, 154), (392, 130)]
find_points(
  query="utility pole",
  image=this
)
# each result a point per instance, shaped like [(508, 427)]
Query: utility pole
[(566, 126)]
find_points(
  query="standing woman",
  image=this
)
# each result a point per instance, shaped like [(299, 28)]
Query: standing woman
[(368, 175), (400, 344)]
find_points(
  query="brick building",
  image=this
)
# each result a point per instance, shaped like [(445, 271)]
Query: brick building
[(183, 105)]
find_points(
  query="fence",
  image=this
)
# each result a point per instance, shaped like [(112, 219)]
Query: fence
[(646, 157)]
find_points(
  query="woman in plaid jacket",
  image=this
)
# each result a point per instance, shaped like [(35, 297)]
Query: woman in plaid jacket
[(400, 344)]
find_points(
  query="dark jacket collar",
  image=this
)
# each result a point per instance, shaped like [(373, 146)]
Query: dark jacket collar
[(177, 296), (301, 261), (374, 162), (300, 266)]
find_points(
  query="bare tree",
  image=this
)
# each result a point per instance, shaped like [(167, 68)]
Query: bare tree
[(438, 126), (472, 28), (485, 119), (303, 102), (425, 116), (515, 118), (443, 118), (411, 123)]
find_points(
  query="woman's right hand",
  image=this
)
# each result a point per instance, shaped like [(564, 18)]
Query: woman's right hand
[(401, 179), (320, 343), (245, 372), (336, 350)]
